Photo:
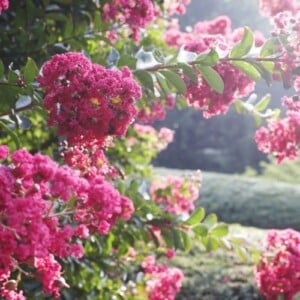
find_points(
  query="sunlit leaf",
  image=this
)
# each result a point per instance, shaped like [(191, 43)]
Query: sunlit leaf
[(244, 46), (196, 217), (175, 80), (31, 70), (212, 77), (208, 59), (248, 69)]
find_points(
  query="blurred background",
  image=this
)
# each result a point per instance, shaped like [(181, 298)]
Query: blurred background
[(223, 143)]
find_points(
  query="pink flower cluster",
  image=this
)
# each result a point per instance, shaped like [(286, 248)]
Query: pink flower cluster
[(176, 195), (278, 272), (86, 101), (162, 282), (287, 28), (156, 110), (271, 8), (155, 139), (135, 13), (176, 6), (282, 137), (89, 160), (38, 223), (4, 4), (201, 96), (205, 36)]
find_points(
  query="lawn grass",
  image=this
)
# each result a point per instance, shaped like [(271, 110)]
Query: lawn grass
[(219, 275)]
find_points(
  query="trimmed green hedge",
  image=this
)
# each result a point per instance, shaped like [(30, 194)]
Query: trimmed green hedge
[(248, 201)]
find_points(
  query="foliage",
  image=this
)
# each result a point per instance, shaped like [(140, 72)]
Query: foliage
[(246, 200), (80, 220), (287, 171)]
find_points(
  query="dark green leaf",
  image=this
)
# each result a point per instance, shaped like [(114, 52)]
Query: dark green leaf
[(213, 79), (69, 27), (175, 80), (31, 70), (244, 46), (145, 79), (188, 71), (11, 133), (187, 244), (196, 217), (248, 69), (177, 239), (208, 59), (1, 69)]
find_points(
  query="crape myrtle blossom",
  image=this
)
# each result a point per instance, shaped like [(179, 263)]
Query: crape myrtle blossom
[(162, 282), (155, 139), (282, 137), (176, 195), (176, 6), (155, 110), (4, 4), (86, 101), (287, 29), (135, 13), (278, 272), (205, 36), (34, 197), (271, 8)]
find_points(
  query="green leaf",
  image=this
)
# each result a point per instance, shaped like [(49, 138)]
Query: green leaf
[(1, 69), (201, 230), (210, 243), (175, 80), (188, 71), (12, 77), (269, 48), (196, 217), (211, 220), (69, 27), (177, 239), (212, 77), (163, 83), (127, 60), (244, 46), (31, 70), (208, 59), (10, 132), (145, 79), (248, 69), (219, 230), (263, 103), (187, 244)]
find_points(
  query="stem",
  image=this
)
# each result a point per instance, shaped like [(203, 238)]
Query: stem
[(20, 109), (257, 59), (62, 213)]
